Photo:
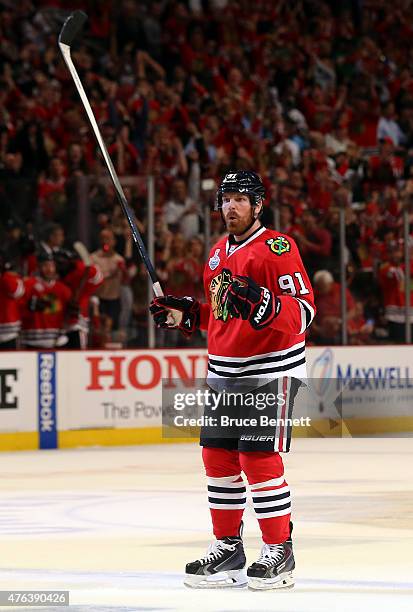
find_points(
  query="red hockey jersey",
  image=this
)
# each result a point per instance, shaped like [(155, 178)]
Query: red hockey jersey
[(83, 282), (392, 281), (237, 350), (11, 290), (41, 328)]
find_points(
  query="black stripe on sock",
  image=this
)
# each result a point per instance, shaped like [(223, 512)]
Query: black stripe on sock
[(219, 500), (240, 489), (260, 500), (272, 509)]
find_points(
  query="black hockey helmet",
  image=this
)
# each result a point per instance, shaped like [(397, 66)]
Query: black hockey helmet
[(65, 260), (241, 181), (44, 255)]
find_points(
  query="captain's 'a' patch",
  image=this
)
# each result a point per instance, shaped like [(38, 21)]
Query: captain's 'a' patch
[(279, 245)]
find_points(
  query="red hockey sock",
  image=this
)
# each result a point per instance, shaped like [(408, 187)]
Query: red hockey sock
[(226, 490), (270, 494)]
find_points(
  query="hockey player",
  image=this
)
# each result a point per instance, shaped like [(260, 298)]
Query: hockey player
[(83, 281), (259, 305), (11, 290), (43, 305)]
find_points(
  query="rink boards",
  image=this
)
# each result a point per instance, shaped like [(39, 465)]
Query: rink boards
[(85, 398)]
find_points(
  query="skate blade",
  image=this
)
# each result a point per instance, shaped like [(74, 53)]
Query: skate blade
[(232, 579), (284, 581)]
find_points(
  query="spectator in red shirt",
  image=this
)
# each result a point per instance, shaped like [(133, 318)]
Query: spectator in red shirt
[(179, 275), (314, 242), (318, 109), (359, 330), (51, 191), (392, 284), (124, 153), (287, 224), (386, 167), (327, 325), (76, 161), (195, 265)]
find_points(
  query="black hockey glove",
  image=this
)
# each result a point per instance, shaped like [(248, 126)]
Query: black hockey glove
[(185, 311), (37, 304), (73, 309), (245, 299)]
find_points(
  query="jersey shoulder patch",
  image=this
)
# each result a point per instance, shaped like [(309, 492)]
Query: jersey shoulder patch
[(279, 245), (214, 261)]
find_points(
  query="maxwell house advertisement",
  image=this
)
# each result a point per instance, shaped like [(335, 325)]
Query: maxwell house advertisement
[(370, 381)]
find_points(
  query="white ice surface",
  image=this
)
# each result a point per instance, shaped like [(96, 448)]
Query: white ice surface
[(116, 527)]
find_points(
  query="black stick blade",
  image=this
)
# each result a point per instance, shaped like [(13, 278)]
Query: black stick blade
[(71, 27)]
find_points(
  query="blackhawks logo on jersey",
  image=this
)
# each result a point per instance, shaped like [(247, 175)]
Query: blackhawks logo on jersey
[(217, 288), (278, 245)]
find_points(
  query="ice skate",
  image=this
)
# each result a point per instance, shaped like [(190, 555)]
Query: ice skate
[(273, 570), (221, 567)]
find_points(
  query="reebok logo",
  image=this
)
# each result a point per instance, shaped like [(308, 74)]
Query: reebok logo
[(47, 417), (47, 396)]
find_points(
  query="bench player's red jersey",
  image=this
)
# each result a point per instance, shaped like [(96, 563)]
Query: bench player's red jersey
[(11, 290), (237, 350), (41, 328), (83, 281)]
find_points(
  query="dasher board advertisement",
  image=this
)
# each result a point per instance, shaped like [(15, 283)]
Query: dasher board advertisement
[(18, 392), (123, 389)]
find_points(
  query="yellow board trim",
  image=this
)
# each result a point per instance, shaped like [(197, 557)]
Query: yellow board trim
[(323, 428), (19, 440), (153, 435), (115, 437), (326, 428)]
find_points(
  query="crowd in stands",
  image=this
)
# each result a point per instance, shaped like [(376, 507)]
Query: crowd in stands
[(315, 95)]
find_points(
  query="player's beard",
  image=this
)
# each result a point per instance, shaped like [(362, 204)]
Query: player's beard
[(238, 225)]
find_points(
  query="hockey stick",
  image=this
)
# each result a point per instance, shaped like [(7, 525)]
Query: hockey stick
[(70, 29)]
